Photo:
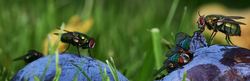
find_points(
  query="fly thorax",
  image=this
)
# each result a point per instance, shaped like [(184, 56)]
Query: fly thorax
[(66, 38)]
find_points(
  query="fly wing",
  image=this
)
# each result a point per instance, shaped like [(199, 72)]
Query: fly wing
[(235, 17), (231, 21), (19, 58), (56, 33), (66, 31), (160, 70), (63, 29)]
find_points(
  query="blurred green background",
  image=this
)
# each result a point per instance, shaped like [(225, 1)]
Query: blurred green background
[(120, 27)]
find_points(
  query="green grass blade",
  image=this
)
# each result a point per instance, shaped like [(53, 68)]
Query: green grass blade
[(36, 78), (76, 76), (103, 73), (58, 69), (52, 49), (113, 64), (46, 69), (49, 45), (171, 13), (146, 69), (182, 25), (107, 77), (88, 7), (184, 76), (82, 71), (157, 47), (113, 69)]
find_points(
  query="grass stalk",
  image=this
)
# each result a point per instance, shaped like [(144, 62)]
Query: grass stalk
[(112, 69), (36, 78), (58, 68), (87, 9), (76, 76), (157, 47), (184, 76), (82, 71), (103, 73), (171, 13), (182, 25)]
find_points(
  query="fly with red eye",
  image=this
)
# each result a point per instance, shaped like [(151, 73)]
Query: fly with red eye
[(225, 24), (180, 55), (77, 39)]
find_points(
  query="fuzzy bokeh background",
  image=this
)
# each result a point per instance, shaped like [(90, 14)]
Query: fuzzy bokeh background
[(120, 27)]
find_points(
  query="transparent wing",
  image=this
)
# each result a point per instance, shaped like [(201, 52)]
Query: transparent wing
[(235, 17), (63, 30), (230, 21)]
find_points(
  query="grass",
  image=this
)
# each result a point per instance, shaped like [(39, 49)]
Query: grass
[(120, 30), (184, 76), (157, 47), (58, 68), (46, 69), (113, 69), (55, 49), (105, 76), (5, 74), (36, 78), (83, 72), (171, 13)]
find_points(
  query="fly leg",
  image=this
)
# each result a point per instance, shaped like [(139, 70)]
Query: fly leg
[(89, 51), (229, 40), (78, 51), (214, 35), (211, 38)]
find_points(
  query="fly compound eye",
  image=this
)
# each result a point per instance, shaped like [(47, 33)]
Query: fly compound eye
[(185, 57), (201, 21), (91, 43)]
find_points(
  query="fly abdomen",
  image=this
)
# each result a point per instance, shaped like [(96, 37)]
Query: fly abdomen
[(231, 29)]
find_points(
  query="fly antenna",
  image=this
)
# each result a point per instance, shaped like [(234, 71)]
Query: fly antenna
[(199, 13), (63, 29)]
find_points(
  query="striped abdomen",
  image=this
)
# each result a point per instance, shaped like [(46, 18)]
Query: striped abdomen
[(230, 29)]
